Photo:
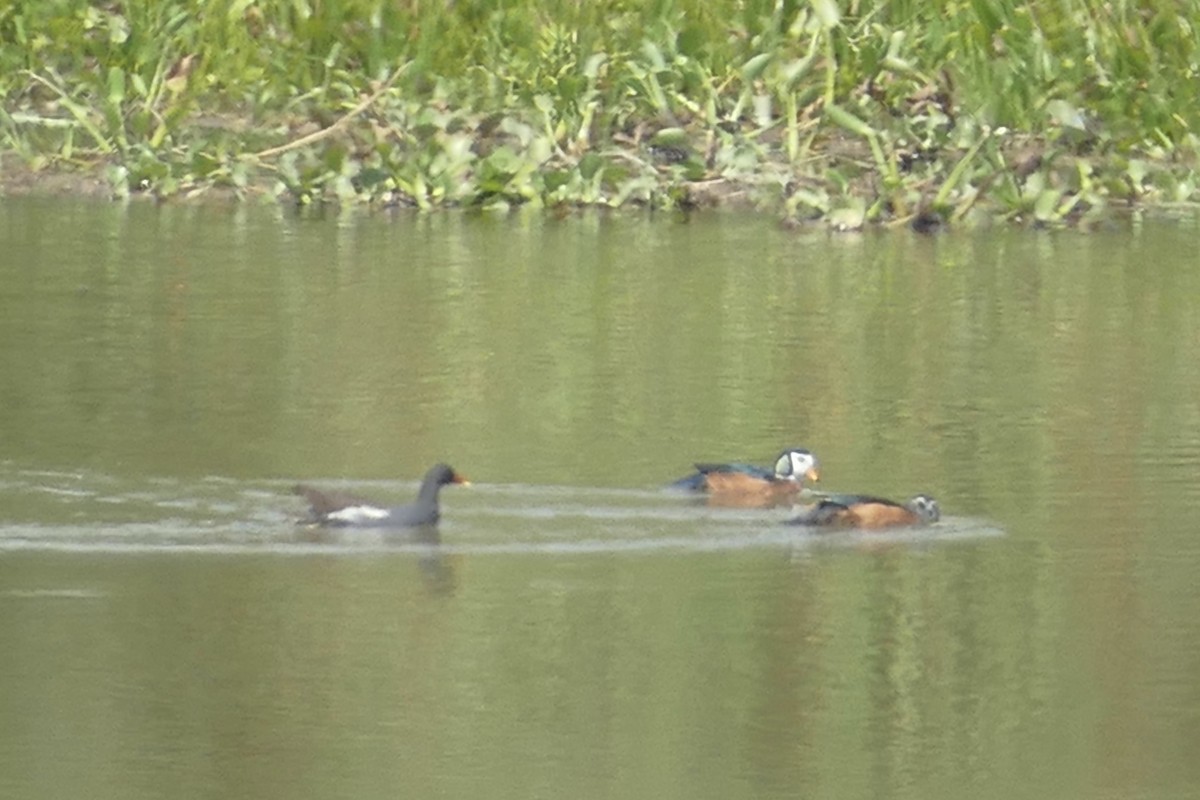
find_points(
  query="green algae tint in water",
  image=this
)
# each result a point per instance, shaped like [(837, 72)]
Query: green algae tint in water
[(166, 630)]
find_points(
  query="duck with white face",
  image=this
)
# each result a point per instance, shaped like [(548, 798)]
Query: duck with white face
[(864, 511), (749, 485)]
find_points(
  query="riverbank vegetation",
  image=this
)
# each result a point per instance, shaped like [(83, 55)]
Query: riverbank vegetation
[(851, 112)]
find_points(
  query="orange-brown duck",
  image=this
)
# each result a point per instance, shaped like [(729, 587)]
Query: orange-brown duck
[(863, 511), (748, 484)]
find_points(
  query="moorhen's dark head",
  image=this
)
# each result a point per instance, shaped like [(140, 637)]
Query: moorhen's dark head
[(442, 474)]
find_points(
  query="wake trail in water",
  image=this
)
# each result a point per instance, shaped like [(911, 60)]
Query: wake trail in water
[(219, 516)]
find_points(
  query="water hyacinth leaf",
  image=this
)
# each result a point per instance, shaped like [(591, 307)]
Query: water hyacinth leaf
[(371, 177), (502, 161), (1066, 115), (344, 188), (1034, 186), (302, 9), (763, 110), (849, 217), (139, 123), (807, 95), (118, 29), (116, 86), (801, 25), (177, 21), (523, 133), (118, 179), (332, 58), (593, 64), (540, 150), (204, 163), (1068, 205), (590, 165), (555, 179), (334, 158), (459, 148), (1185, 189), (818, 201), (839, 179), (827, 13), (593, 188), (795, 69), (419, 191), (1046, 205), (737, 161), (239, 175), (844, 119), (957, 173), (901, 66), (1137, 171), (639, 188), (694, 169), (654, 55), (754, 68), (237, 9), (287, 168), (583, 135), (670, 137)]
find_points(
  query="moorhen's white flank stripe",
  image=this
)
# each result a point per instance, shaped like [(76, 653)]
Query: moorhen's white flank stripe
[(357, 515)]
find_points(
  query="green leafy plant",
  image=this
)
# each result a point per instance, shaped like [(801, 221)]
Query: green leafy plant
[(887, 113)]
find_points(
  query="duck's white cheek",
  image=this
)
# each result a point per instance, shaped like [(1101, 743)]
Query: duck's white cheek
[(358, 514)]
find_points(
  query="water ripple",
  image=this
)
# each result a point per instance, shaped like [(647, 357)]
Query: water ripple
[(221, 516)]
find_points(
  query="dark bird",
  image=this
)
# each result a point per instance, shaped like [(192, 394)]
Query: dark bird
[(342, 509), (748, 484), (862, 511)]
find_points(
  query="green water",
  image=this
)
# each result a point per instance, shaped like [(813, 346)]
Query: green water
[(167, 373)]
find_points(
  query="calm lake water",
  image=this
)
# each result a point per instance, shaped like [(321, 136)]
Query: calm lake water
[(166, 375)]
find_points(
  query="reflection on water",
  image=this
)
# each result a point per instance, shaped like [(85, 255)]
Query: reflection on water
[(571, 628)]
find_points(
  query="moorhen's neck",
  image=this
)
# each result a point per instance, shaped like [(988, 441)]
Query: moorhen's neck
[(437, 477), (430, 486)]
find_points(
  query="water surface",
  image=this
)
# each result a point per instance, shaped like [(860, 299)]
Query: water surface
[(573, 630)]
